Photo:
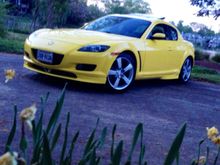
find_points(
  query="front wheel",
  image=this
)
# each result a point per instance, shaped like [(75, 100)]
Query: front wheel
[(122, 73), (186, 71)]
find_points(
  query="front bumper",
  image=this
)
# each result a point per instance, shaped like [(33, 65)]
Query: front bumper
[(67, 69)]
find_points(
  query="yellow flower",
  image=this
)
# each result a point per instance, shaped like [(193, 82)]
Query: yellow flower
[(9, 74), (202, 160), (216, 140), (8, 159), (212, 132), (28, 114)]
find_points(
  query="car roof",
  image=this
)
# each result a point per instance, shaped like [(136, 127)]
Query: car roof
[(146, 17)]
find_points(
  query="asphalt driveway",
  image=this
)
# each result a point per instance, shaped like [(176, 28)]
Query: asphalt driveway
[(162, 106)]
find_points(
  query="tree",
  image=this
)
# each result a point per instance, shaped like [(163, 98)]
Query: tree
[(127, 6), (78, 12), (50, 12), (184, 29), (93, 12), (207, 7), (2, 16), (206, 32)]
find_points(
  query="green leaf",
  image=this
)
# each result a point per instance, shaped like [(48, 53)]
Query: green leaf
[(116, 159), (68, 159), (23, 142), (199, 149), (65, 138), (90, 141), (216, 158), (193, 162), (56, 113), (141, 156), (37, 151), (102, 138), (138, 132), (113, 140), (93, 157), (38, 129), (207, 155), (175, 147), (56, 137), (46, 155), (12, 132)]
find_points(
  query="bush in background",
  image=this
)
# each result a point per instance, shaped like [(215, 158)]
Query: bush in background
[(2, 16), (216, 58), (201, 55)]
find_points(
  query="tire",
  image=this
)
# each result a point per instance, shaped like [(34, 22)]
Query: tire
[(121, 74), (185, 72)]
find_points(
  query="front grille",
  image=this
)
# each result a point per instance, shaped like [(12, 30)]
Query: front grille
[(53, 71), (57, 58)]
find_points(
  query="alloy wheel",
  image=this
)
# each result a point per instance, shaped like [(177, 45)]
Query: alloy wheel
[(186, 70), (121, 73)]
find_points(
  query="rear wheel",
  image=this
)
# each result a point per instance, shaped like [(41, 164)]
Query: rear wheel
[(122, 73), (186, 71)]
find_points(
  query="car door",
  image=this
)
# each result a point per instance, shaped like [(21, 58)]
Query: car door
[(159, 53), (176, 50)]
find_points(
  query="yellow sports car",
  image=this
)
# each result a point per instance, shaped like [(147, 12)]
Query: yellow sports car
[(113, 50)]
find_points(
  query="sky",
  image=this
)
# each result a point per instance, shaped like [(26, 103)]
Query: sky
[(175, 10)]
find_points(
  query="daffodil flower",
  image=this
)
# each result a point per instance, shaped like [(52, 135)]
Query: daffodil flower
[(9, 159), (212, 132), (202, 160), (9, 74), (216, 140), (28, 114)]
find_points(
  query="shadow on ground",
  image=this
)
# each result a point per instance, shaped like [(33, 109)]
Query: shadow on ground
[(98, 88)]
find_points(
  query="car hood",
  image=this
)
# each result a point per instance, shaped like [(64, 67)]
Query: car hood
[(78, 36)]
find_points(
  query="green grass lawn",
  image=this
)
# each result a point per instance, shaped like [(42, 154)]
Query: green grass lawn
[(12, 43), (203, 73)]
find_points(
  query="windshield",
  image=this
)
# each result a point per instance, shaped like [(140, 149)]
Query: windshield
[(126, 26)]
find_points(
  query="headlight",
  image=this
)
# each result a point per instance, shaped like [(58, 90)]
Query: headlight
[(94, 48)]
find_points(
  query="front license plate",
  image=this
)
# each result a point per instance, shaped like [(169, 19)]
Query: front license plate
[(45, 56)]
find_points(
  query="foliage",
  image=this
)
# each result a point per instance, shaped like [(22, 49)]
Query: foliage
[(207, 7), (216, 58), (79, 12), (59, 13), (201, 55), (50, 13), (12, 43), (206, 31), (127, 6), (203, 73), (2, 16), (184, 28), (46, 139)]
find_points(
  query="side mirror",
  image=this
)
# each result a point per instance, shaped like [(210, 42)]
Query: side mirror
[(158, 36)]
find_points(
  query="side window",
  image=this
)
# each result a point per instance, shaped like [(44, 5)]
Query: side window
[(157, 29), (171, 33)]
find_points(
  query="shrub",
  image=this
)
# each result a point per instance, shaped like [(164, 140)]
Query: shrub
[(216, 58), (45, 140), (2, 16), (201, 55), (204, 70)]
